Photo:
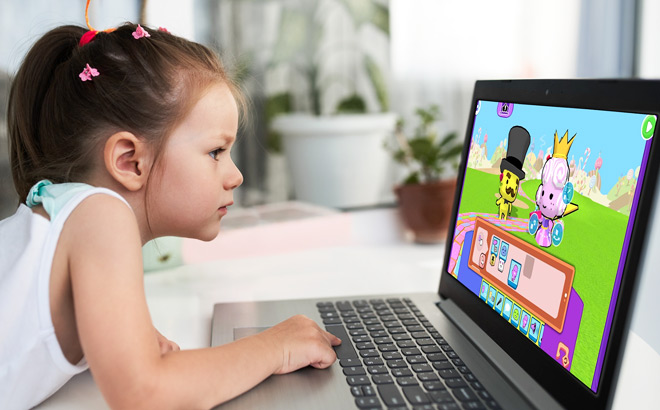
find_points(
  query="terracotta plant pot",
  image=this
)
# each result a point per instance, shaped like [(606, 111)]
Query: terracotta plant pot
[(425, 209)]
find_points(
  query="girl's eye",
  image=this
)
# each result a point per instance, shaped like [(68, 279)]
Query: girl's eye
[(214, 154)]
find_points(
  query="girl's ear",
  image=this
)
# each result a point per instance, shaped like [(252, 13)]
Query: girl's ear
[(127, 159)]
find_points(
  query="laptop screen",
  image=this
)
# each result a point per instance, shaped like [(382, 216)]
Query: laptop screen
[(544, 222)]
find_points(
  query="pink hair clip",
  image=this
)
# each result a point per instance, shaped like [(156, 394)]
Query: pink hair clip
[(140, 32), (88, 72), (163, 29)]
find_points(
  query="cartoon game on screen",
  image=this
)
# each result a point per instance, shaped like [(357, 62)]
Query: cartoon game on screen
[(543, 216)]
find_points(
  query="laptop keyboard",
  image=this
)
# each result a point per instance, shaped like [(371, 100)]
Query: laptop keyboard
[(398, 360)]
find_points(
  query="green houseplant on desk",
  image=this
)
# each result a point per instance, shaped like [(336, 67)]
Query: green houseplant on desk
[(333, 117), (425, 197)]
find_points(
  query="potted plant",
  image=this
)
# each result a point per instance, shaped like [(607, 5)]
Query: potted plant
[(332, 119), (426, 195)]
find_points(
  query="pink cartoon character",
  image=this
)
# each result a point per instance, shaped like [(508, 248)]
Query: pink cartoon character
[(553, 196)]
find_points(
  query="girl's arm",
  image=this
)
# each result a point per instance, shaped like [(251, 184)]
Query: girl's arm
[(103, 245)]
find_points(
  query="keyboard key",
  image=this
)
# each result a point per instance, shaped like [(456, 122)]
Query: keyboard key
[(448, 373), (387, 348), (407, 381), (382, 379), (441, 396), (427, 376), (357, 380), (344, 350), (415, 395), (448, 406), (392, 356), (394, 364), (416, 359), (368, 390), (400, 337), (327, 315), (410, 351), (442, 365), (431, 349), (332, 321), (377, 369), (425, 342), (369, 353), (465, 394), (360, 303), (383, 340), (361, 339), (349, 361), (454, 383), (365, 345), (344, 305), (437, 357), (403, 372), (373, 361), (390, 395), (473, 405), (424, 367), (354, 371), (434, 385), (367, 402), (356, 391)]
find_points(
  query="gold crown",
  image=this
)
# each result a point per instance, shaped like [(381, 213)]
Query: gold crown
[(562, 146)]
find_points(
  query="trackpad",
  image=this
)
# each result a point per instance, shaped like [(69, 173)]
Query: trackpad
[(241, 332)]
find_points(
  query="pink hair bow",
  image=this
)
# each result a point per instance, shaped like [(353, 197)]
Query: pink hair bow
[(140, 32), (88, 72)]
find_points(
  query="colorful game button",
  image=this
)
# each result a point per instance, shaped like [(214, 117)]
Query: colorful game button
[(534, 330), (493, 257), (514, 274), (525, 318), (492, 293), (483, 294), (500, 265), (496, 245), (648, 127), (504, 110), (506, 311), (504, 250), (499, 302), (515, 315), (541, 334)]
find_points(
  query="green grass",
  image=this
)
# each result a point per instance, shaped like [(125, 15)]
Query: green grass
[(593, 238)]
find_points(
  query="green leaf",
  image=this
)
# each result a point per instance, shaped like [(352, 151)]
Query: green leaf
[(378, 82), (278, 104), (353, 104), (412, 179)]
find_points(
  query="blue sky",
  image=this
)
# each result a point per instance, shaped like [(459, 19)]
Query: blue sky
[(616, 136)]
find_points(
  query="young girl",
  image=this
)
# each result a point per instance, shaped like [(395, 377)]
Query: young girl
[(117, 138)]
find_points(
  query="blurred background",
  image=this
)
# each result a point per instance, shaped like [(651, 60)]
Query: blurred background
[(313, 65), (370, 56)]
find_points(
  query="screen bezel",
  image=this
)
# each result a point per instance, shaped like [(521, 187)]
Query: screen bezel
[(637, 96)]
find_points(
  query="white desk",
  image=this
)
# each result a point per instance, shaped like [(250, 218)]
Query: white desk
[(361, 253)]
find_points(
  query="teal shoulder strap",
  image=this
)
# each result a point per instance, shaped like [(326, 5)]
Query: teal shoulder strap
[(54, 196)]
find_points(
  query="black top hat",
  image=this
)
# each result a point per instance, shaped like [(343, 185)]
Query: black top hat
[(516, 151)]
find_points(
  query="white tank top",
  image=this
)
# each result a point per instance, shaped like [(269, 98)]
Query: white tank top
[(32, 365)]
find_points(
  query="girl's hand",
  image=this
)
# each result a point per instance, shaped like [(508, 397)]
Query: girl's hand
[(301, 342), (165, 344)]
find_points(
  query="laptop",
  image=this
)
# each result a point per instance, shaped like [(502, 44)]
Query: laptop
[(542, 256)]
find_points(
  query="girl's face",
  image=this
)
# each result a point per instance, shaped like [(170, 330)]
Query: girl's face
[(193, 187)]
